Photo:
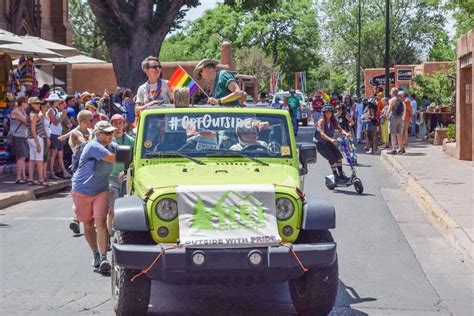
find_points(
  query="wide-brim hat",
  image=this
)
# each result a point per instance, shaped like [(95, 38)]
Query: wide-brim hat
[(85, 94), (34, 100), (53, 97), (201, 65)]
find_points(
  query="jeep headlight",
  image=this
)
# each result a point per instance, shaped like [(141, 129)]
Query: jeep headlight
[(167, 209), (284, 208)]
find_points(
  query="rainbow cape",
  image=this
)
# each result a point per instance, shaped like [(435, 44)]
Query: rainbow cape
[(180, 78)]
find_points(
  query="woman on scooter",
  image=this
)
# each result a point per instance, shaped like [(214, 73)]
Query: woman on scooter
[(326, 143)]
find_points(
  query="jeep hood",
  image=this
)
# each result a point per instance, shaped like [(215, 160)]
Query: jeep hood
[(163, 175)]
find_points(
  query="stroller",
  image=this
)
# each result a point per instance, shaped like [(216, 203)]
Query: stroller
[(348, 151)]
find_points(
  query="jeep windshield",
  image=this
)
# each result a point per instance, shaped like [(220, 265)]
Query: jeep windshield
[(216, 135)]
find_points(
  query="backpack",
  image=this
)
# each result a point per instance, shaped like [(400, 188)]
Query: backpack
[(398, 109), (76, 158)]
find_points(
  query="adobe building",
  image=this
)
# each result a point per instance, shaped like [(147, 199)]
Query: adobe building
[(464, 97), (400, 76), (47, 19), (96, 78)]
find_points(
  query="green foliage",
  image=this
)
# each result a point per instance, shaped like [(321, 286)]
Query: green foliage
[(438, 87), (285, 31), (443, 48), (253, 61), (452, 131), (86, 35), (463, 13), (412, 31)]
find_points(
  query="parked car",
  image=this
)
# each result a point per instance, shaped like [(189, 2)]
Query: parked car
[(304, 113)]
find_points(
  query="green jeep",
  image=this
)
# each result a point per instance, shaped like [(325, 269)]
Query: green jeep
[(215, 195)]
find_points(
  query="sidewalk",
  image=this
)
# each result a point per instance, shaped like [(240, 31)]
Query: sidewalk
[(443, 186), (12, 193)]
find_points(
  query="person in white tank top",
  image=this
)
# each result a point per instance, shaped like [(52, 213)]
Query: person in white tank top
[(54, 116)]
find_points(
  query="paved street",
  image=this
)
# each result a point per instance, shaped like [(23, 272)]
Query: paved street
[(392, 261)]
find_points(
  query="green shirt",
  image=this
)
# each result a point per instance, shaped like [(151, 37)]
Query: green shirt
[(119, 167), (294, 104), (221, 90)]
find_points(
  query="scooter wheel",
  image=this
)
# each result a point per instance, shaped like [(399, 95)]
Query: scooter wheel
[(330, 185), (358, 186)]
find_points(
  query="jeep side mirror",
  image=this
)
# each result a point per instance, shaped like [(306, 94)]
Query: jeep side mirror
[(124, 155), (307, 155)]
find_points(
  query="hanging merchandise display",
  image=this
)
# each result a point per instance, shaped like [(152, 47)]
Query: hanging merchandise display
[(26, 74), (5, 67)]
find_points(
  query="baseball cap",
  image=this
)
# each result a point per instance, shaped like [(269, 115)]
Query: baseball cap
[(117, 117), (103, 126)]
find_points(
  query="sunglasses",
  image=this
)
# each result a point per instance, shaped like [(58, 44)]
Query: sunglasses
[(107, 133), (155, 67)]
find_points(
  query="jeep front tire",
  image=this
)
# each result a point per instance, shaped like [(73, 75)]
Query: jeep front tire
[(130, 298), (315, 292)]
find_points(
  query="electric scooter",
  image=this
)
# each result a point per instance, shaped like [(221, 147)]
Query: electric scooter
[(348, 153)]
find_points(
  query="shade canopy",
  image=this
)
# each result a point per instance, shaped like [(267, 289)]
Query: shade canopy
[(64, 50), (25, 47), (7, 38), (80, 59)]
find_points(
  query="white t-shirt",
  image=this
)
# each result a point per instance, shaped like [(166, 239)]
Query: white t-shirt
[(414, 106), (359, 109), (143, 95)]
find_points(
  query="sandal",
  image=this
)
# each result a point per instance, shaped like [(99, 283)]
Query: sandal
[(43, 183), (32, 183)]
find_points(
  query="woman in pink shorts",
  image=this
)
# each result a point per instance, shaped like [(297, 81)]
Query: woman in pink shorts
[(90, 191)]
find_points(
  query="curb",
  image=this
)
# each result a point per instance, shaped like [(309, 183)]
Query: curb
[(33, 193), (444, 222)]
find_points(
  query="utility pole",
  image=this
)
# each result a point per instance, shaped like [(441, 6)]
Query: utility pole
[(358, 54), (387, 48)]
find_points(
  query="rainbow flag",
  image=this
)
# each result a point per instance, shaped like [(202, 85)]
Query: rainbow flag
[(180, 78)]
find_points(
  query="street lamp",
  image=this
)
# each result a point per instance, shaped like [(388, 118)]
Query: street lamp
[(358, 54), (387, 47)]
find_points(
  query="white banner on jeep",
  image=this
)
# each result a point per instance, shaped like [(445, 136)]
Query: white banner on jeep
[(222, 216)]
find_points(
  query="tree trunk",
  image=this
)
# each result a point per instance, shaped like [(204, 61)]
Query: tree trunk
[(145, 23), (127, 60)]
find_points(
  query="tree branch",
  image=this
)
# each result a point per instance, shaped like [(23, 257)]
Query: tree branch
[(123, 17)]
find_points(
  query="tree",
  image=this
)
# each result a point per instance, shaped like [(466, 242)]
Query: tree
[(86, 35), (253, 61), (285, 31), (443, 47), (463, 13), (135, 29), (413, 24)]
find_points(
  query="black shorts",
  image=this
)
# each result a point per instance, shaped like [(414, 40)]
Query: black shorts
[(20, 147), (329, 151), (55, 143)]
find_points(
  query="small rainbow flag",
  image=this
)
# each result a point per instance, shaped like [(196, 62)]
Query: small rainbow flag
[(180, 78)]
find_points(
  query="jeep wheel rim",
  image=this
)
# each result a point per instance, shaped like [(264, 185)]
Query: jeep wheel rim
[(116, 285)]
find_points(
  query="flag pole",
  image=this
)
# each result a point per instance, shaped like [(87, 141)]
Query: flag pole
[(194, 81)]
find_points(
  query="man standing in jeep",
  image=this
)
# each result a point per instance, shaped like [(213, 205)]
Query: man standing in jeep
[(225, 91)]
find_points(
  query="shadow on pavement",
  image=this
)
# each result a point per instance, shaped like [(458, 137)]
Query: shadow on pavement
[(352, 193), (346, 297)]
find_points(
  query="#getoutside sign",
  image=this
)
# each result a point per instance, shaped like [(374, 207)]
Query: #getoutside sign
[(224, 216)]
